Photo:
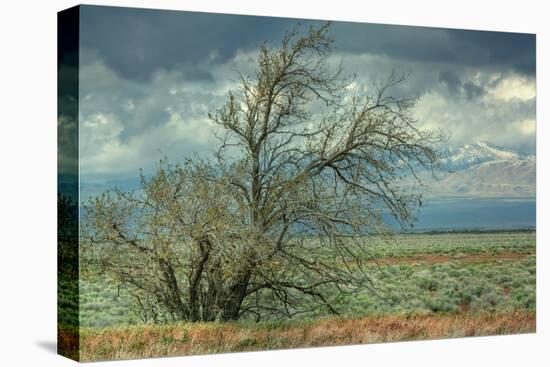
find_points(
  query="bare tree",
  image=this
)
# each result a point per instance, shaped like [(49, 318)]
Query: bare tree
[(278, 223)]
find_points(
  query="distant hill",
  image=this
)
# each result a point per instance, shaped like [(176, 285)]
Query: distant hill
[(484, 170), (468, 155), (478, 170), (480, 186)]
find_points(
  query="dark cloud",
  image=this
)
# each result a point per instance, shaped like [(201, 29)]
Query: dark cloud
[(457, 87), (451, 80), (67, 98), (463, 47), (472, 90), (148, 78), (136, 42), (513, 50)]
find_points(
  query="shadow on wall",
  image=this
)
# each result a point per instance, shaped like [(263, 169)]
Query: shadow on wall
[(48, 345)]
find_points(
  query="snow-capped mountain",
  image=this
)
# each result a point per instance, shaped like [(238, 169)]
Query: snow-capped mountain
[(484, 170), (458, 158)]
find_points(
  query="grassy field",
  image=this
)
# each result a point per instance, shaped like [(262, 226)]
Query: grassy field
[(144, 341), (428, 286)]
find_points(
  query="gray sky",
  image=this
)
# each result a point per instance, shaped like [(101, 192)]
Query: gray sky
[(149, 78)]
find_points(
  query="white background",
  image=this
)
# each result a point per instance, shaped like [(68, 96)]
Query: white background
[(28, 182)]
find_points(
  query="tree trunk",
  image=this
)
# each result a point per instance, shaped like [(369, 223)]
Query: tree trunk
[(195, 280), (173, 294), (232, 305)]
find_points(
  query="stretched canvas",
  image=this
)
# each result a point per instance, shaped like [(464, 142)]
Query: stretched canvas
[(233, 183)]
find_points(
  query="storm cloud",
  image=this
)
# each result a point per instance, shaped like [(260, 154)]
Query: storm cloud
[(148, 79), (136, 42)]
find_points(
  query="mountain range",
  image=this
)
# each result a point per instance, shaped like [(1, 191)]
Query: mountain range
[(476, 170), (479, 186), (483, 170)]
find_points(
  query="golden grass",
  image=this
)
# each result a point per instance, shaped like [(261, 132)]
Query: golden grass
[(203, 338), (68, 341)]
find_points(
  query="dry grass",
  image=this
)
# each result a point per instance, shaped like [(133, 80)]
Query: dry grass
[(203, 338), (68, 341)]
